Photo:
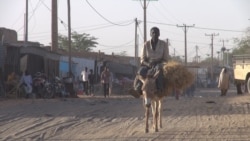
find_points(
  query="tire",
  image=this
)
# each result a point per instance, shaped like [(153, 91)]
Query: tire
[(248, 85), (48, 92)]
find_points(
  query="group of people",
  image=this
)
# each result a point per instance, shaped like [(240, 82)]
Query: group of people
[(25, 81), (155, 52), (88, 81)]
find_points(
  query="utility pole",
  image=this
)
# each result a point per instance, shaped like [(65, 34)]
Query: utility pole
[(196, 57), (223, 49), (185, 38), (174, 52), (227, 57), (26, 24), (136, 42), (69, 36), (145, 18), (54, 26), (212, 50)]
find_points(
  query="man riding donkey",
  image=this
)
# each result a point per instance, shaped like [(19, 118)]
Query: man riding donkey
[(154, 53)]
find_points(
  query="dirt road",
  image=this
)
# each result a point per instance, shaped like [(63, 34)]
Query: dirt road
[(206, 116)]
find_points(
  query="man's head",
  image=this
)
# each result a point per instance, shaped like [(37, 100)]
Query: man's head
[(154, 33)]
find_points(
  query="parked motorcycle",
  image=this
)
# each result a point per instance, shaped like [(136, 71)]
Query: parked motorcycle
[(41, 86), (58, 88)]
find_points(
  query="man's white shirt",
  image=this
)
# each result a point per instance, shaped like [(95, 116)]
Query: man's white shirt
[(84, 75)]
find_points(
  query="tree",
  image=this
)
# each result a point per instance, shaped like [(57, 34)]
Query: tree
[(122, 53), (79, 42), (176, 58), (243, 44)]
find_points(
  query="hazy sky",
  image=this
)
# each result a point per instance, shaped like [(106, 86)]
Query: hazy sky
[(112, 22)]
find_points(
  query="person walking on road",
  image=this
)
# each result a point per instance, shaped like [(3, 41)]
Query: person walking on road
[(223, 82), (84, 75), (105, 81), (110, 82), (91, 79)]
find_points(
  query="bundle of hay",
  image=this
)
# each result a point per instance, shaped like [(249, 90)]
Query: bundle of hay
[(177, 76)]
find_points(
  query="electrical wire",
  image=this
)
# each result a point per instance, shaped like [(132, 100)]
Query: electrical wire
[(122, 45), (61, 21), (106, 18), (162, 4), (162, 13), (227, 30)]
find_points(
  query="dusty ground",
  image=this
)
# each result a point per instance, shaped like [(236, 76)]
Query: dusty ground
[(206, 116)]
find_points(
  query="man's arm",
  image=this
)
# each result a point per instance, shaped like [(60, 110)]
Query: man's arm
[(144, 59), (143, 54)]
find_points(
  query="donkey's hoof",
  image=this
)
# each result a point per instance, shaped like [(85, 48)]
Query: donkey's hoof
[(146, 130)]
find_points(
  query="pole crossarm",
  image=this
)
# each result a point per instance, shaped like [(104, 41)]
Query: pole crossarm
[(185, 38)]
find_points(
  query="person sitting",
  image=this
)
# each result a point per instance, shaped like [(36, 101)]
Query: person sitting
[(26, 81), (154, 53), (12, 81)]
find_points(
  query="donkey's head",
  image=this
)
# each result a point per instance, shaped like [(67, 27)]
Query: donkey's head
[(149, 87)]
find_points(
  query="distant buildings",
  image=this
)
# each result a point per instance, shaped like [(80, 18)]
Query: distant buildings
[(18, 56)]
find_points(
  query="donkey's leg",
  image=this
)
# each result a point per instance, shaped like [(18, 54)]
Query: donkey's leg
[(160, 113), (156, 115), (146, 118), (153, 103), (147, 103)]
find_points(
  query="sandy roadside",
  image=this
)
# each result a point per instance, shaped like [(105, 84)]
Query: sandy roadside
[(206, 116)]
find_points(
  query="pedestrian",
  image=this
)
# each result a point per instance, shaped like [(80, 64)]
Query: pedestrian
[(26, 81), (105, 81), (91, 79), (84, 75), (155, 52), (190, 90), (223, 81), (110, 82)]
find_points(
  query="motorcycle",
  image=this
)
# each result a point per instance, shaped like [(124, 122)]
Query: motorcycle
[(41, 86), (58, 88)]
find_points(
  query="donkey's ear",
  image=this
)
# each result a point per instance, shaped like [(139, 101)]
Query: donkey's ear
[(156, 74)]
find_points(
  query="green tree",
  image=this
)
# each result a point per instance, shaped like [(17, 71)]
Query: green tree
[(79, 42), (243, 44), (122, 53), (176, 58)]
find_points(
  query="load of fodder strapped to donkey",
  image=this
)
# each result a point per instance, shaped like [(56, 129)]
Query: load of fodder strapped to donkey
[(176, 76)]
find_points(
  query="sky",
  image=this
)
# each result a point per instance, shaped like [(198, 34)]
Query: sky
[(112, 22)]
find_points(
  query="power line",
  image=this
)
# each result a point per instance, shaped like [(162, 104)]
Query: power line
[(106, 18), (122, 45), (227, 30)]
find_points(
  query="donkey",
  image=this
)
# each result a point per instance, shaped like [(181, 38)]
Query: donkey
[(176, 76), (152, 99)]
